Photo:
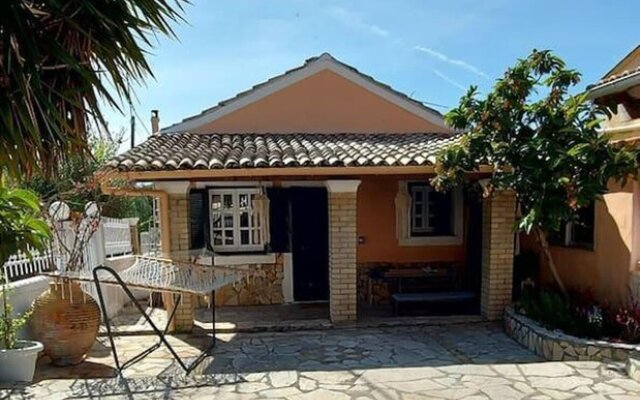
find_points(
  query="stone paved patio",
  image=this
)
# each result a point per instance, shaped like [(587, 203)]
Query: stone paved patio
[(474, 361)]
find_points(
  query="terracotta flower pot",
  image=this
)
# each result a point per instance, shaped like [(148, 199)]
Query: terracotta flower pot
[(66, 322)]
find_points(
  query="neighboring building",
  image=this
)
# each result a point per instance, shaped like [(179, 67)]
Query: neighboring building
[(602, 254), (318, 177)]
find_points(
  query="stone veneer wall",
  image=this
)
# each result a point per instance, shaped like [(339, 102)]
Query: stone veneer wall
[(370, 290), (263, 285), (378, 291), (557, 346)]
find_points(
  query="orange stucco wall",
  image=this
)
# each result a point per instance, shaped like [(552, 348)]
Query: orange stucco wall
[(376, 222), (605, 269), (322, 103)]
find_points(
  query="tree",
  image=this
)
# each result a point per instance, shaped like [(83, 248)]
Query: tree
[(541, 142), (60, 61), (77, 182)]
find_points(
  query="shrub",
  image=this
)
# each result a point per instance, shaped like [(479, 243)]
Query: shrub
[(574, 315), (628, 320)]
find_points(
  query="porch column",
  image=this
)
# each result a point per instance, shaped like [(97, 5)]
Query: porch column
[(498, 218), (342, 200), (180, 236)]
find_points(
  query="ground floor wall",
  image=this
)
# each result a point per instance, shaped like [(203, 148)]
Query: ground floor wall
[(376, 227), (363, 235), (608, 270), (261, 286)]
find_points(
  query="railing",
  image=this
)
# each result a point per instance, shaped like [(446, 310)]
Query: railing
[(113, 238), (21, 266), (117, 236), (149, 243)]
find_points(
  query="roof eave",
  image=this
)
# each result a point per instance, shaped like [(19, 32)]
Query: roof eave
[(617, 86), (299, 172)]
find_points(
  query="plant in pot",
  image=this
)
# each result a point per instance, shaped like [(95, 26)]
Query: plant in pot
[(65, 319), (21, 230)]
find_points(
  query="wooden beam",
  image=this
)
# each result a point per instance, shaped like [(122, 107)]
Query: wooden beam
[(198, 174)]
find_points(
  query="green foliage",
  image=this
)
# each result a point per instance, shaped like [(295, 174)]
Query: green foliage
[(11, 324), (575, 315), (60, 62), (21, 228), (76, 183), (540, 141)]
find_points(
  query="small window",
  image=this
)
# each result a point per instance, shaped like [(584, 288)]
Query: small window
[(235, 225), (579, 233), (431, 211)]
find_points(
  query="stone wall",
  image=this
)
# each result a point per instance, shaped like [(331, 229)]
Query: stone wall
[(260, 287), (557, 346), (372, 290)]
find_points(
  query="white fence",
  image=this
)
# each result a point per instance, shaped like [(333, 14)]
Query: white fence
[(113, 238), (21, 266), (111, 244), (117, 236)]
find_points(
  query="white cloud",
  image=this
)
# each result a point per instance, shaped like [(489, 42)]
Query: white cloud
[(354, 21), (449, 80), (452, 61)]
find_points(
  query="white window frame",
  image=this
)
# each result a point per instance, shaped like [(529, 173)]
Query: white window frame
[(235, 212), (406, 239), (425, 210)]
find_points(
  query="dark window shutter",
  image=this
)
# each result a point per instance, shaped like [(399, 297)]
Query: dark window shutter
[(443, 213), (199, 218), (279, 223)]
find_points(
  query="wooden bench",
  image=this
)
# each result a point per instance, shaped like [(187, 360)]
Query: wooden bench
[(456, 296)]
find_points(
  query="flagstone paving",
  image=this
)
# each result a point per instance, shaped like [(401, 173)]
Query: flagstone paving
[(470, 361)]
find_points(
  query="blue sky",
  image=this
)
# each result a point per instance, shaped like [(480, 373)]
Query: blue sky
[(430, 50)]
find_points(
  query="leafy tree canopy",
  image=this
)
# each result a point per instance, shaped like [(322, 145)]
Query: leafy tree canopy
[(541, 142), (60, 60), (77, 183)]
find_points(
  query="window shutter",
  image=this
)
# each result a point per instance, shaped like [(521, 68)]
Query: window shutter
[(279, 215), (443, 212), (403, 211), (198, 218)]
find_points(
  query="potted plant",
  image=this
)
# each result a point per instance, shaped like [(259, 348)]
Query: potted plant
[(21, 230), (65, 319)]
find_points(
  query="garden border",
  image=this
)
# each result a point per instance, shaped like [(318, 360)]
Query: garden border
[(558, 346)]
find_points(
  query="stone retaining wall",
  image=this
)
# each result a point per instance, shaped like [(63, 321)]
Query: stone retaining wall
[(557, 346)]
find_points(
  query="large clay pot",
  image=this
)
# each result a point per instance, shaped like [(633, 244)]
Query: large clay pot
[(66, 322)]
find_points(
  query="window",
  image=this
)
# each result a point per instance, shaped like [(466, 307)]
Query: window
[(425, 217), (431, 211), (579, 233), (235, 224)]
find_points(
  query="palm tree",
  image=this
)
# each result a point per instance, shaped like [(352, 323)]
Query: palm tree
[(60, 61)]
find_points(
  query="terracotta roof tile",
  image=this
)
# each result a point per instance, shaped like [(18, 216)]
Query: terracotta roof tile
[(184, 151), (616, 77)]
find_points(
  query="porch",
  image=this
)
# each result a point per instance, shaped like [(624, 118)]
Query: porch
[(331, 240), (277, 318)]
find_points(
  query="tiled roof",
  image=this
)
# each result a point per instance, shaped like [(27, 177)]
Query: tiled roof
[(184, 151), (617, 77), (611, 78)]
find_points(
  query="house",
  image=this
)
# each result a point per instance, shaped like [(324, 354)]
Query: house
[(318, 179), (603, 252)]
